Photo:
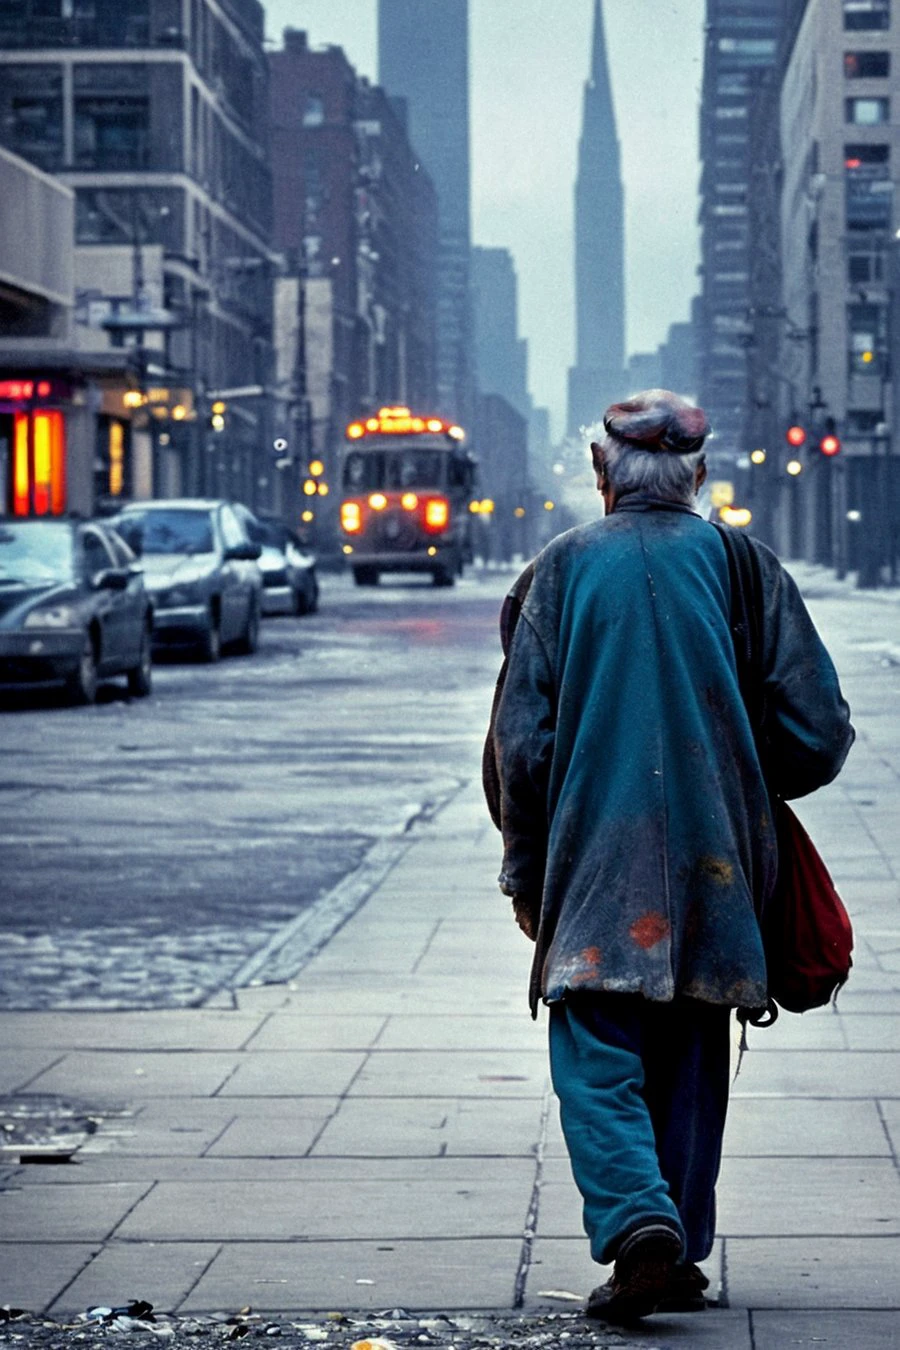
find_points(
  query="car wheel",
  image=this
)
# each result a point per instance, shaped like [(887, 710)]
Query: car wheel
[(443, 577), (365, 576), (211, 641), (301, 601), (314, 595), (82, 686), (249, 642), (140, 677)]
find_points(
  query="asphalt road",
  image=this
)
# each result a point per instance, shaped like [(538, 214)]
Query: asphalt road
[(150, 850)]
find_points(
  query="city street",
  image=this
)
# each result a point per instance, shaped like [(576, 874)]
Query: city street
[(152, 849), (356, 1116)]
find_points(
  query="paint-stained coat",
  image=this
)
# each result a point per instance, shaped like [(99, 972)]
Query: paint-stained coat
[(621, 765)]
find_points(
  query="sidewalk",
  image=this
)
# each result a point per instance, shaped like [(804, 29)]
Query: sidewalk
[(378, 1133)]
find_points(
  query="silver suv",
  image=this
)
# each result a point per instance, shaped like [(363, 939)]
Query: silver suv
[(200, 570)]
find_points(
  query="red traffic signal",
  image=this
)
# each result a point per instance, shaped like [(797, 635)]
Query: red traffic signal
[(830, 444), (795, 435)]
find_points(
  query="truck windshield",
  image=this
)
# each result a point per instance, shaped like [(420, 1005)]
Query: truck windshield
[(370, 470)]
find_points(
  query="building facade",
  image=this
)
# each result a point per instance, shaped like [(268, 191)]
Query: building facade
[(596, 378), (841, 282), (423, 60), (741, 46), (357, 226), (153, 114)]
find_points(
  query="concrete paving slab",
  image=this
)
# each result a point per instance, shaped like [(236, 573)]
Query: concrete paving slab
[(818, 1030), (759, 1126), (559, 1207), (33, 1274), (801, 1073), (293, 1030), (261, 1137), (107, 1076), (817, 1196), (859, 1330), (432, 1127), (170, 1029), (293, 1073), (163, 1274), (302, 1211), (872, 1033), (188, 1126), (805, 1272), (389, 1073), (890, 1112), (462, 1032), (67, 1213), (318, 1276), (20, 1068)]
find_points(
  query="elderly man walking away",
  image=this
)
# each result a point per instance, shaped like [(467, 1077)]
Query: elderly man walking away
[(638, 835)]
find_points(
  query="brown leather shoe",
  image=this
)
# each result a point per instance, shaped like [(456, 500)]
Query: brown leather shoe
[(685, 1291), (641, 1276)]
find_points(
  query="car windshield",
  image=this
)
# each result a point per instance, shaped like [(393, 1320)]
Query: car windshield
[(166, 531), (35, 552)]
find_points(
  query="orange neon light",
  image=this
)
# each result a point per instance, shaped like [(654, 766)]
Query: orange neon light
[(116, 459), (57, 463), (41, 488), (21, 470)]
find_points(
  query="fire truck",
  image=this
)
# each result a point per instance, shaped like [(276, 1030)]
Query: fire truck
[(407, 484)]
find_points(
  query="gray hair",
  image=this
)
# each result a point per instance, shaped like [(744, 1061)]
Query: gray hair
[(659, 473)]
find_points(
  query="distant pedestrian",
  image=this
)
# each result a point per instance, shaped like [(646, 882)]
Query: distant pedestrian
[(638, 834)]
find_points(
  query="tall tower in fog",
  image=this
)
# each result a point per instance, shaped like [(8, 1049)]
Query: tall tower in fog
[(596, 379), (423, 59)]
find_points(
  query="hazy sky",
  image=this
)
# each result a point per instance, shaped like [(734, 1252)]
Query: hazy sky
[(529, 61)]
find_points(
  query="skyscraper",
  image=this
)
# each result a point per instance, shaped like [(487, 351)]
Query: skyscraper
[(596, 378), (423, 59), (741, 46)]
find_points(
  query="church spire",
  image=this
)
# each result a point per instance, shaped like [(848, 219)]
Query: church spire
[(597, 377)]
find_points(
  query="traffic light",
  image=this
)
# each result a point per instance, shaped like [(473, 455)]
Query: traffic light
[(795, 435), (217, 416), (829, 443)]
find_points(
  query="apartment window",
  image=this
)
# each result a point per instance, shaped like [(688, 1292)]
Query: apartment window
[(314, 111), (867, 112), (865, 269), (867, 326), (731, 113), (869, 190), (867, 65), (112, 117), (31, 113), (860, 14)]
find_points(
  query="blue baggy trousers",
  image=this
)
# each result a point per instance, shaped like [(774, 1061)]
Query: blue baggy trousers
[(643, 1092)]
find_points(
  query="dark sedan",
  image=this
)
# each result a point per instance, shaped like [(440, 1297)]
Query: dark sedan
[(73, 608)]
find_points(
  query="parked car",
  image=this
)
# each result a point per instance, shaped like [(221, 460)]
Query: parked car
[(73, 608), (290, 584), (201, 571)]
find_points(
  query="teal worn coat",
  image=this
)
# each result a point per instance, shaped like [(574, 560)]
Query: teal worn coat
[(621, 765)]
